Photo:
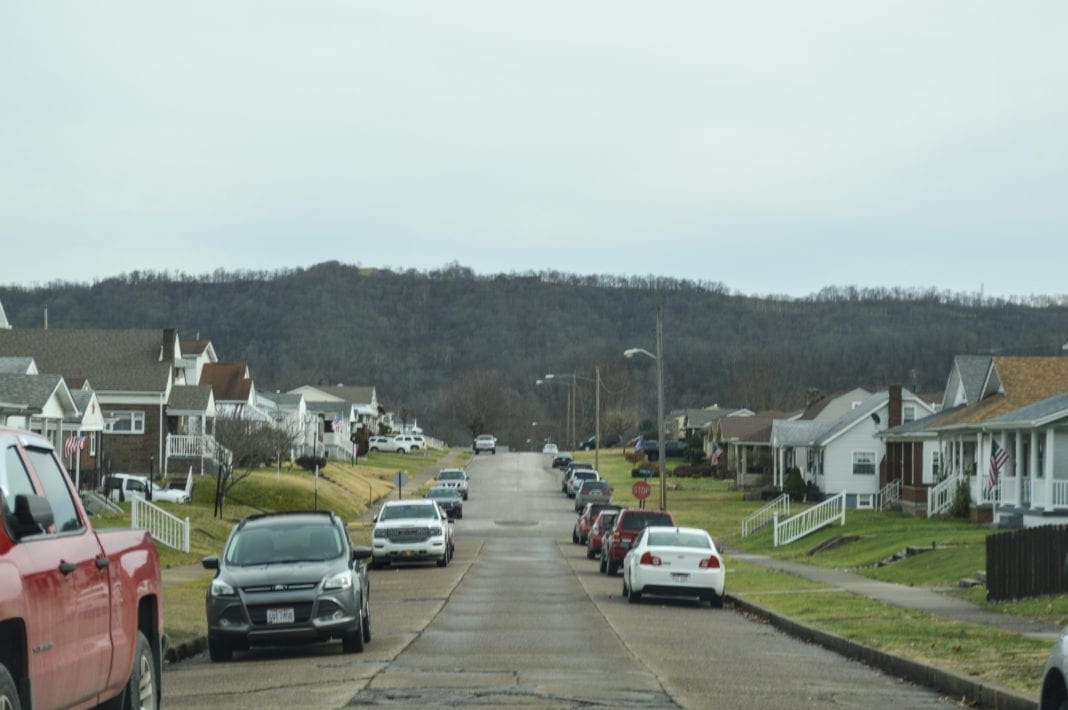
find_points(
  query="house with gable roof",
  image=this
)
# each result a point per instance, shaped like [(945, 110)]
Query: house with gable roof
[(349, 406)]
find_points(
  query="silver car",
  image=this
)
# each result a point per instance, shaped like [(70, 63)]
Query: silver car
[(1054, 688), (592, 491)]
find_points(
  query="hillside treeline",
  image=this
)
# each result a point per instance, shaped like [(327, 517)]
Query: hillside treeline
[(418, 336)]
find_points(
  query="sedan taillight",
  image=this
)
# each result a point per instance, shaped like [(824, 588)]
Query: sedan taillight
[(711, 563), (650, 559)]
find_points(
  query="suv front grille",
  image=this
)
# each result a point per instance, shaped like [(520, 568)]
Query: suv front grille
[(408, 534)]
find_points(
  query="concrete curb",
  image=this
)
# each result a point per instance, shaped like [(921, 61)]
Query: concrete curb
[(953, 684), (186, 649)]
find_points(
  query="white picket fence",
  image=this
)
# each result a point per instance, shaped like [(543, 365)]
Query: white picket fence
[(890, 494), (940, 495), (818, 516), (165, 528), (766, 514)]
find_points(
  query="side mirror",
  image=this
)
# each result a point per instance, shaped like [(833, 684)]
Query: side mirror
[(211, 562), (33, 515), (361, 553), (374, 519)]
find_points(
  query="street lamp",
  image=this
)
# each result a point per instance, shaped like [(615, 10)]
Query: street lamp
[(572, 407), (631, 352)]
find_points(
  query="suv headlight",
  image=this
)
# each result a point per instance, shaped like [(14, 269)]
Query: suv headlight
[(220, 588), (341, 580), (435, 531), (380, 532)]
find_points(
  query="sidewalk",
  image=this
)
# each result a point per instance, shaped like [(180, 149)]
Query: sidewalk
[(906, 597)]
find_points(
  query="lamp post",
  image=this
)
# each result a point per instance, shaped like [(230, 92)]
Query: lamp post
[(631, 352), (572, 396)]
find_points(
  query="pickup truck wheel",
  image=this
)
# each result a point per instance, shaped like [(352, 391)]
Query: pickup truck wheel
[(142, 690), (219, 651), (366, 624), (444, 561), (9, 696), (465, 496)]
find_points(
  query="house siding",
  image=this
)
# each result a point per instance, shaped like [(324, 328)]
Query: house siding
[(838, 459), (134, 453)]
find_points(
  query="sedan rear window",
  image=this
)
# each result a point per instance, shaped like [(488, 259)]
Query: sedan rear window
[(678, 539), (594, 486)]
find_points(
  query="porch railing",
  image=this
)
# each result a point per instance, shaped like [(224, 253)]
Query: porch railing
[(890, 494), (765, 515), (818, 516), (197, 446), (165, 528), (940, 495), (983, 494)]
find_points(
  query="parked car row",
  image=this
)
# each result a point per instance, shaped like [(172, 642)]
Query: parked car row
[(401, 443), (656, 555)]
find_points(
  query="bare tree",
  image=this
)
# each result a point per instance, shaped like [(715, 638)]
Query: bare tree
[(480, 400), (251, 444)]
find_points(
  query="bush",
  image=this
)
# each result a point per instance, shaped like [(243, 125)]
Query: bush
[(962, 501), (795, 485), (308, 463)]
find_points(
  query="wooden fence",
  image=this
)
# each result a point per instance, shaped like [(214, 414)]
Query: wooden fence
[(1027, 563)]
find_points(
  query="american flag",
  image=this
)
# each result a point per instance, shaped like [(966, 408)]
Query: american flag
[(72, 444), (337, 423), (998, 457), (716, 452)]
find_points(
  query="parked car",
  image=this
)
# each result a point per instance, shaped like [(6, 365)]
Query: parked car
[(419, 441), (125, 486), (453, 478), (606, 441), (673, 449), (585, 521), (571, 468), (288, 578), (449, 499), (616, 542), (592, 491), (676, 562), (578, 475), (1054, 692), (550, 449), (381, 443), (601, 524), (562, 459), (411, 531), (485, 442), (75, 603), (404, 443)]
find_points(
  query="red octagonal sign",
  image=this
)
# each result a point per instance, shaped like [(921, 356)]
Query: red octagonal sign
[(641, 490)]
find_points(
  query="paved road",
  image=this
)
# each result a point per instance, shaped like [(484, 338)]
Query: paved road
[(521, 617)]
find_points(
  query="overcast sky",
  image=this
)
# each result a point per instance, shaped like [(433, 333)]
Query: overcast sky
[(778, 147)]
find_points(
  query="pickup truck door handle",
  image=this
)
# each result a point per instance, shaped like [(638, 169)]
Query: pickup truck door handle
[(67, 567), (102, 562)]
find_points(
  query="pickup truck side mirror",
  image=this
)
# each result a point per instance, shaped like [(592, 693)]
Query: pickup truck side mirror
[(33, 515), (361, 553)]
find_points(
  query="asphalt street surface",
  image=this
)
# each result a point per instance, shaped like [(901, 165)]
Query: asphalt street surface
[(522, 618)]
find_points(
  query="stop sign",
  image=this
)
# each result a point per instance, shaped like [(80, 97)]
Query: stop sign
[(641, 490)]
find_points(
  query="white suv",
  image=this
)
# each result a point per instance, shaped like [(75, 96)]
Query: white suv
[(453, 478), (405, 443), (485, 442), (380, 443), (415, 530)]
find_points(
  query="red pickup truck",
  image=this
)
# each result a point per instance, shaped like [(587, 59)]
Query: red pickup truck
[(81, 619)]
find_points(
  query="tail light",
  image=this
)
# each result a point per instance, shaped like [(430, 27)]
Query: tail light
[(711, 563), (650, 559), (617, 536)]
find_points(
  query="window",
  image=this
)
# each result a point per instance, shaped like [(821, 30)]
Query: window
[(863, 463), (92, 445), (56, 489), (936, 461), (908, 413), (14, 479), (124, 422)]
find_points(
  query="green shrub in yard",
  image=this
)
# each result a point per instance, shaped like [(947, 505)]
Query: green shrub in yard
[(962, 500), (795, 484)]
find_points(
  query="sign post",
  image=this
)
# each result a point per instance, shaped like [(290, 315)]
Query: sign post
[(399, 479), (641, 491)]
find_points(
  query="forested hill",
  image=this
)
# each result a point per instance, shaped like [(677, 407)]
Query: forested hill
[(412, 333)]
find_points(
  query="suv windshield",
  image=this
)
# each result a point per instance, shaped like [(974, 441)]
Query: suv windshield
[(269, 544), (450, 475), (637, 521), (396, 512), (443, 493)]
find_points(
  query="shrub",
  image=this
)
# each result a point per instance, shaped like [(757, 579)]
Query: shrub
[(308, 463), (962, 500), (795, 484)]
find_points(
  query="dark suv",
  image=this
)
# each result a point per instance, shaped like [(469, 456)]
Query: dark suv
[(628, 524), (288, 578)]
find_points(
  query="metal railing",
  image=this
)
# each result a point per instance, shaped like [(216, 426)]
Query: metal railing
[(940, 495), (818, 516), (890, 494), (165, 528), (766, 514)]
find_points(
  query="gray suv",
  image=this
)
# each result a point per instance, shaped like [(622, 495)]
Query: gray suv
[(288, 578)]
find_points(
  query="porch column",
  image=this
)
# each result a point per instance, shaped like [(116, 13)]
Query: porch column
[(1047, 468), (1017, 466)]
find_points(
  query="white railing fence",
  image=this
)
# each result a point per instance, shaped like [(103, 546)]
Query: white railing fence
[(197, 446), (940, 495), (818, 516), (766, 514), (890, 494), (165, 528), (982, 493)]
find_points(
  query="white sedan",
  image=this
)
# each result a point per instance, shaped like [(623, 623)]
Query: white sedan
[(550, 449), (676, 562)]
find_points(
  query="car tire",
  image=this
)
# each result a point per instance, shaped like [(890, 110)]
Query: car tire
[(352, 642), (379, 564), (9, 694), (366, 624), (444, 561), (373, 448), (493, 451), (632, 596), (465, 496), (590, 553), (218, 650), (604, 564), (574, 537), (715, 601), (401, 451), (143, 689), (613, 567), (460, 515)]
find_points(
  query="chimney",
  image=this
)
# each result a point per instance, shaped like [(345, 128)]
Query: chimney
[(893, 418), (167, 353)]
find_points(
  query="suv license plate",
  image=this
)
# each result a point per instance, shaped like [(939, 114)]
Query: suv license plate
[(679, 576), (280, 616)]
